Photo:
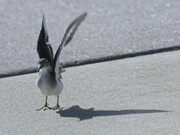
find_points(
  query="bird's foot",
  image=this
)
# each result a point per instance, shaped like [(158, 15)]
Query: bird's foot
[(44, 107), (56, 107)]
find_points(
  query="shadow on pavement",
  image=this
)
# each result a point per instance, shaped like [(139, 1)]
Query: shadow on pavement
[(83, 114)]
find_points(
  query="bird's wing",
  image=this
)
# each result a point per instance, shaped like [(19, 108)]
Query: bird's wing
[(67, 38), (44, 49)]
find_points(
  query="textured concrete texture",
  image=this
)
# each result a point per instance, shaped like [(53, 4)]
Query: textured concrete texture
[(137, 95), (112, 28)]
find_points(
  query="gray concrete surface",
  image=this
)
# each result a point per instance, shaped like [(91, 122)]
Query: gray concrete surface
[(112, 28), (137, 95)]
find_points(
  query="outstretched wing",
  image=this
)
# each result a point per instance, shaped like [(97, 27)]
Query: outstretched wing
[(44, 49), (68, 37)]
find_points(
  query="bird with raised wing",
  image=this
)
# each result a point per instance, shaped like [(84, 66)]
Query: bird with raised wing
[(49, 80)]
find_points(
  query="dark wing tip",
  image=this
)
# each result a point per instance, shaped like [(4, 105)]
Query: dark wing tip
[(84, 14), (43, 36), (44, 49)]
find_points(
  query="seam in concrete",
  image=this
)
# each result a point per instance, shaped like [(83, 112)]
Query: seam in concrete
[(97, 60)]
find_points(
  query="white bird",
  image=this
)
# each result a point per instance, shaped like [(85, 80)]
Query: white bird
[(49, 79)]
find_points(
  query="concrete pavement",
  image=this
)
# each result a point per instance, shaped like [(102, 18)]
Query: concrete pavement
[(137, 95)]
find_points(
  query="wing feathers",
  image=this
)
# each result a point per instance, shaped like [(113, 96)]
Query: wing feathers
[(70, 31), (44, 49)]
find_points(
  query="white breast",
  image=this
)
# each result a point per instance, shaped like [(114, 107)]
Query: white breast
[(45, 84)]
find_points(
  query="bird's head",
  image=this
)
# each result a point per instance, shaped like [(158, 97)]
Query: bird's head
[(43, 63)]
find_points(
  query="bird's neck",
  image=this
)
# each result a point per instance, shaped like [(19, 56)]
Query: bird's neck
[(45, 71)]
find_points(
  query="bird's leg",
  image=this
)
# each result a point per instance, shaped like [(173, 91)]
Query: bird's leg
[(57, 106), (45, 106)]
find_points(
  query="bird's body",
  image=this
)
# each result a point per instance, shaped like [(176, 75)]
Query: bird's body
[(49, 84), (49, 80)]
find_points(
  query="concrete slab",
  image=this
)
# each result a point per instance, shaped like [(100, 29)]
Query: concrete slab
[(112, 28), (138, 95)]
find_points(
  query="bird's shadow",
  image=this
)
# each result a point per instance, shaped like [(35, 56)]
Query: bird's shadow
[(83, 114)]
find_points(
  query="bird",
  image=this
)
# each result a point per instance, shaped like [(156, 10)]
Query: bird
[(49, 80)]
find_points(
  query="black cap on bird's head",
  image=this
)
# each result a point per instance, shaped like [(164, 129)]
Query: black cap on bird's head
[(42, 63)]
